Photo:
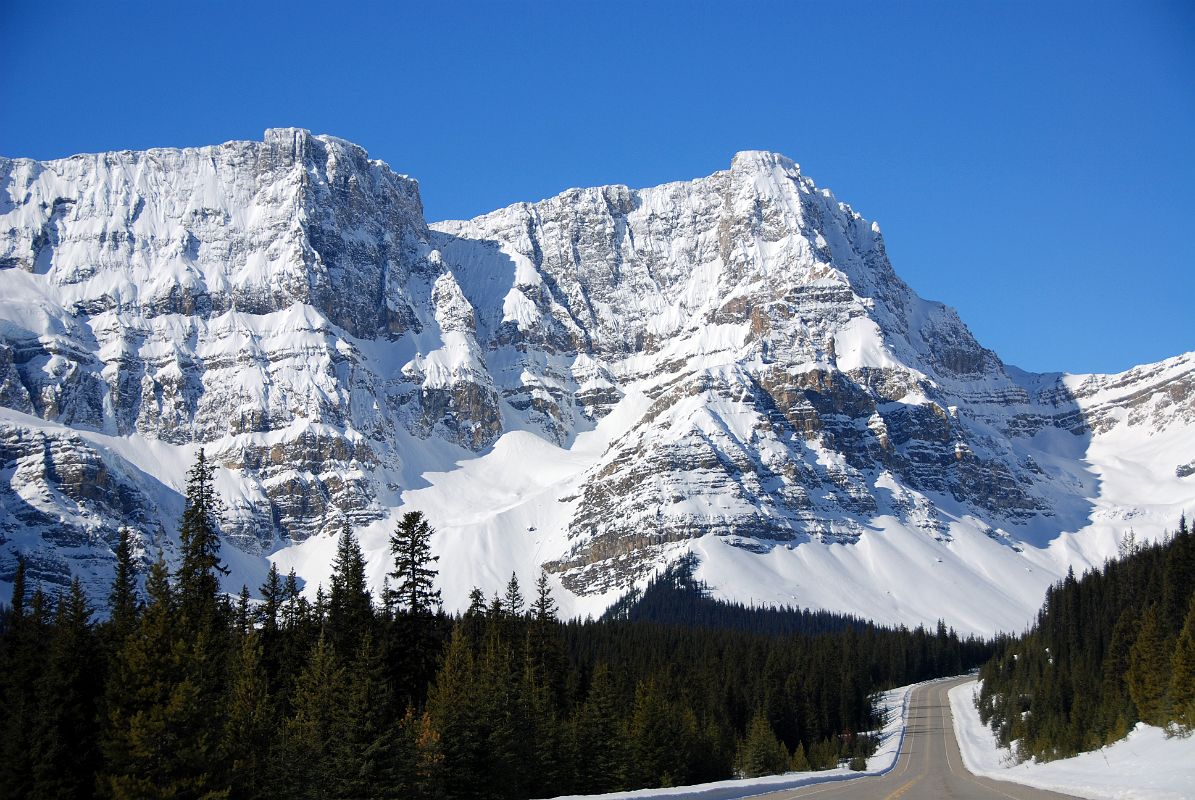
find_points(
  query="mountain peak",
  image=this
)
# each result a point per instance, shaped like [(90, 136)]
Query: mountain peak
[(762, 161)]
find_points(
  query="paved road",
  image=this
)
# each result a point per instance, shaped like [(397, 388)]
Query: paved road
[(929, 766)]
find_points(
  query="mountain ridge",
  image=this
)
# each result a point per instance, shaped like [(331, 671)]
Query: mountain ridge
[(611, 376)]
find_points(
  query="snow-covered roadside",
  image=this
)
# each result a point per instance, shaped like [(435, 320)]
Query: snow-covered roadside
[(894, 705), (1144, 766)]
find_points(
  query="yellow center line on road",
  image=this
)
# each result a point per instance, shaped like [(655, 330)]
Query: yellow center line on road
[(904, 788)]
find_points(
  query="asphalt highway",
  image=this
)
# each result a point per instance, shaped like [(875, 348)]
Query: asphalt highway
[(928, 767)]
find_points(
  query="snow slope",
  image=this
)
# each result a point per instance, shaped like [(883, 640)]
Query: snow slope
[(1147, 765)]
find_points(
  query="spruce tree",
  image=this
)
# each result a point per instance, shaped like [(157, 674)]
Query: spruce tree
[(272, 598), (122, 601), (1182, 673), (1149, 667), (600, 738), (247, 742), (23, 645), (760, 752), (350, 608), (64, 737), (415, 645), (512, 601), (545, 605), (314, 735), (198, 581), (459, 720), (414, 575)]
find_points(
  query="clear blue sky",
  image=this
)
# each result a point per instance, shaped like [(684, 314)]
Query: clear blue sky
[(1032, 164)]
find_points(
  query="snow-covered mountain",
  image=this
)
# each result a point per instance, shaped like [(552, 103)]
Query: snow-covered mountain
[(595, 383)]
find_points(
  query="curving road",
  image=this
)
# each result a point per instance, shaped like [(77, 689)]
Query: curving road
[(929, 766)]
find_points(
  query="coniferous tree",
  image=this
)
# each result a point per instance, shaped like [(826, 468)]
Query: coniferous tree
[(350, 608), (599, 753), (64, 736), (414, 652), (454, 708), (22, 646), (198, 581), (513, 601), (247, 742), (149, 704), (1149, 667), (413, 573), (761, 753), (272, 596), (122, 601), (545, 605), (1182, 673), (314, 735)]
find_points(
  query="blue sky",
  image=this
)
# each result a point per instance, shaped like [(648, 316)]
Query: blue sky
[(1031, 164)]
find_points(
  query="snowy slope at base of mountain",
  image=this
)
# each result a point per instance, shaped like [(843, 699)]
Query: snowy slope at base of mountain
[(1147, 765)]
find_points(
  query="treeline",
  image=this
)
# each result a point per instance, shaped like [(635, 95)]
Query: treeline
[(676, 597), (1112, 648), (192, 695)]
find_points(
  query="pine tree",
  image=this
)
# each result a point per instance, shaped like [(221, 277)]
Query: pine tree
[(64, 737), (761, 753), (372, 755), (1149, 667), (295, 609), (600, 739), (454, 708), (247, 741), (243, 618), (23, 644), (800, 761), (415, 645), (545, 605), (476, 603), (122, 601), (314, 735), (1182, 673), (350, 608), (17, 603), (198, 584), (512, 601), (272, 598), (413, 571)]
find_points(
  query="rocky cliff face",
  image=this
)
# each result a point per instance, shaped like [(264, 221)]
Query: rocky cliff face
[(729, 359)]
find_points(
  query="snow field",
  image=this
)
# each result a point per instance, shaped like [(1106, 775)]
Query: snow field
[(1147, 765)]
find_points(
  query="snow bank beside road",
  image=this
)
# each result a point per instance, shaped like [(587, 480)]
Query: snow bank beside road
[(1144, 766), (894, 704)]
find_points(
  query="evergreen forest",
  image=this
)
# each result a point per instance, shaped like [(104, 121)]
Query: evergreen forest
[(1109, 649), (180, 691)]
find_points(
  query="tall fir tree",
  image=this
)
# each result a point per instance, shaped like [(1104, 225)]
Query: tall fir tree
[(513, 600), (760, 752), (314, 735), (272, 597), (350, 607), (24, 641), (199, 535), (64, 737), (1182, 673), (1149, 669), (415, 645), (414, 574), (123, 604), (247, 743)]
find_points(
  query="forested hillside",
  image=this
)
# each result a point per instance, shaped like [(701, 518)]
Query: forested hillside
[(189, 694), (1109, 649)]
